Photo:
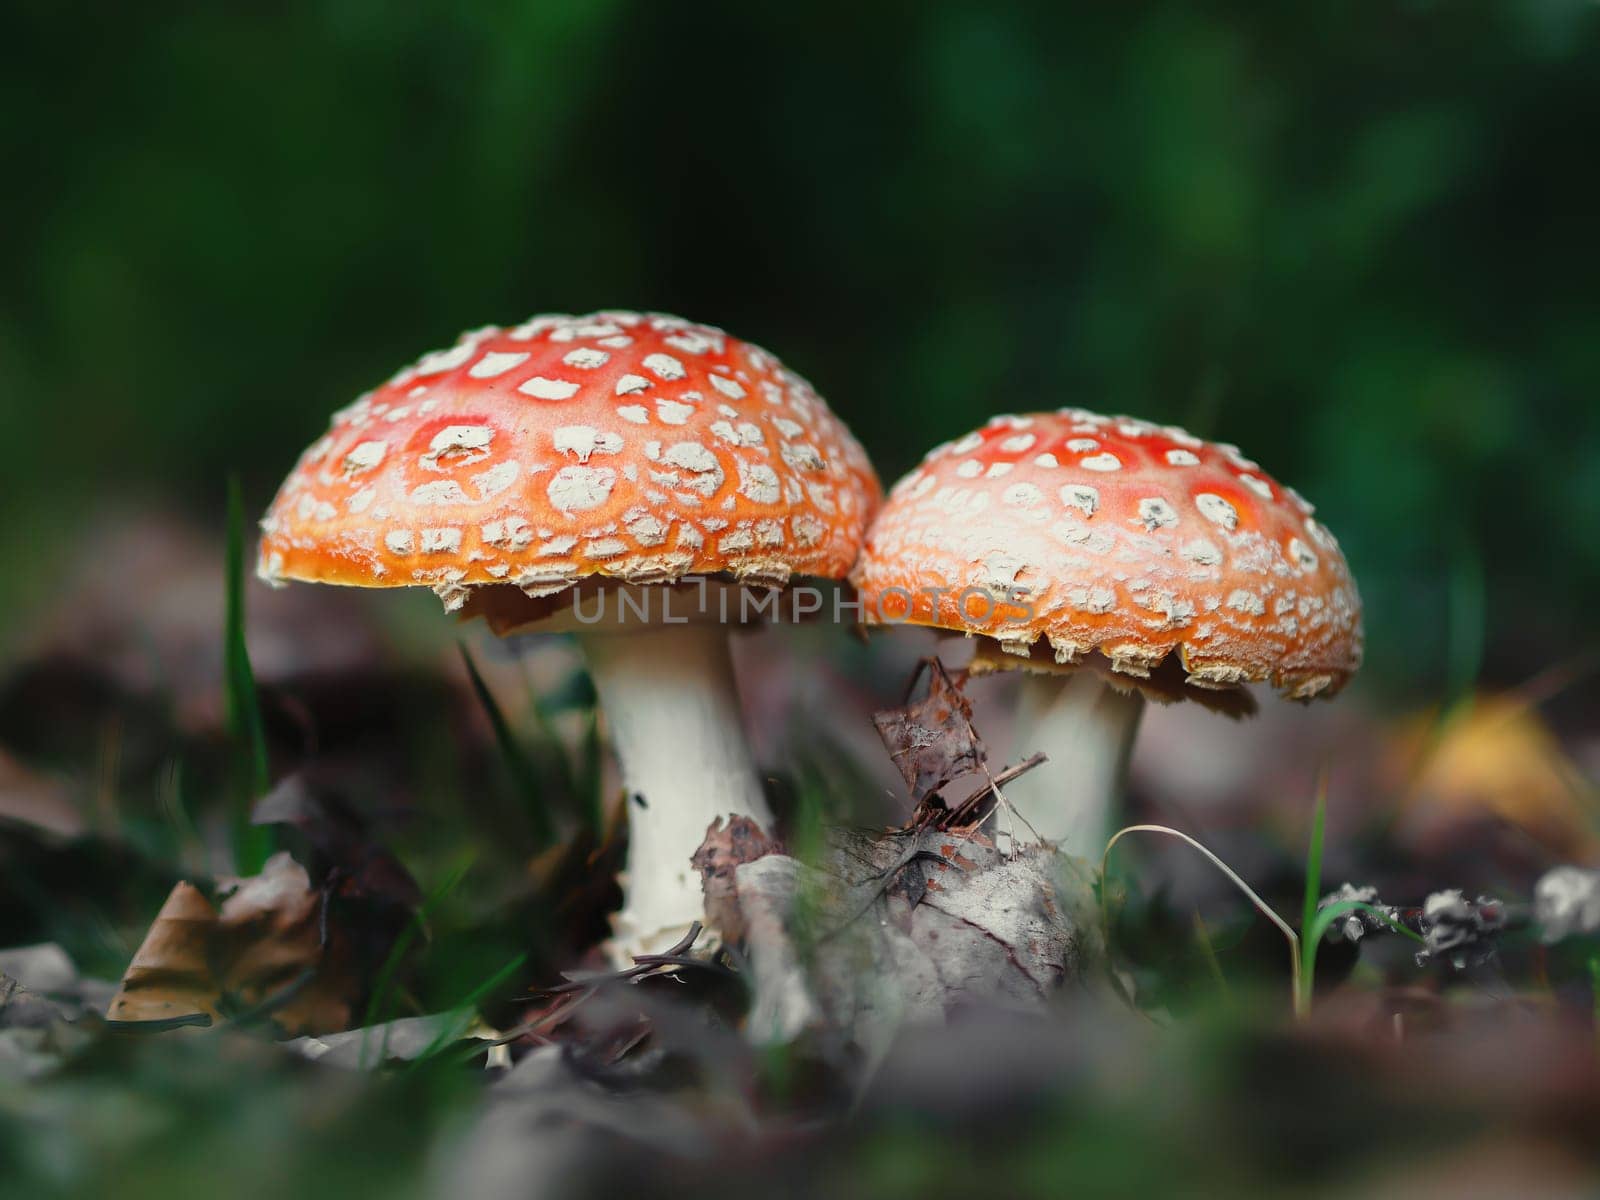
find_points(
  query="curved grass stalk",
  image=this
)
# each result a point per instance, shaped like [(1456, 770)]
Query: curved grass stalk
[(1298, 989)]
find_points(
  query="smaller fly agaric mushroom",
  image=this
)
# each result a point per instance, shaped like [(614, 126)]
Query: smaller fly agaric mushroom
[(604, 458), (1110, 560)]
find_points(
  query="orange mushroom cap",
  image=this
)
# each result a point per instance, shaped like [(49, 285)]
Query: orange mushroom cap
[(638, 447), (1112, 536)]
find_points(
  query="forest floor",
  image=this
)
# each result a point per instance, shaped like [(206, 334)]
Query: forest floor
[(325, 920)]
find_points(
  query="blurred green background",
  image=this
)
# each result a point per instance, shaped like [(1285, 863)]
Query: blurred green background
[(1356, 238)]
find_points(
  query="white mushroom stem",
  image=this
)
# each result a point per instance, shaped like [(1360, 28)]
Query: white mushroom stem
[(1087, 729), (669, 696)]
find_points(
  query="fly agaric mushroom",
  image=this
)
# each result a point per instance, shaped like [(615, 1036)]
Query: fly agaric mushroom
[(1110, 560), (603, 458)]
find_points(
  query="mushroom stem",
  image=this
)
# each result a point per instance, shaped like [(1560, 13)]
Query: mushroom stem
[(670, 698), (1086, 728)]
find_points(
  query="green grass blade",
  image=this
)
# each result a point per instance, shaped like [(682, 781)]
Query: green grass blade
[(580, 782), (465, 1013), (383, 982), (1314, 933), (550, 744), (252, 844), (517, 765), (1326, 918), (1319, 818), (1315, 922), (1594, 990)]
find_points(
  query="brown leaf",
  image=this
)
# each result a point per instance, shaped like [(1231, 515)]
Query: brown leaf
[(271, 947), (269, 944), (972, 812), (1493, 759), (727, 846), (170, 977), (932, 741)]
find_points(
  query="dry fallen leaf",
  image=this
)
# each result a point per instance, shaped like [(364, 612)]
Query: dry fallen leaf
[(906, 927), (270, 949), (1492, 759), (273, 946), (170, 978), (932, 741), (728, 846)]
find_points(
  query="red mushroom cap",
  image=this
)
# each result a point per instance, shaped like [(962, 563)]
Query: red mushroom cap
[(637, 447), (1110, 535)]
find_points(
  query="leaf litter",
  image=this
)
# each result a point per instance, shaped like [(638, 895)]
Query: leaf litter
[(869, 977)]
